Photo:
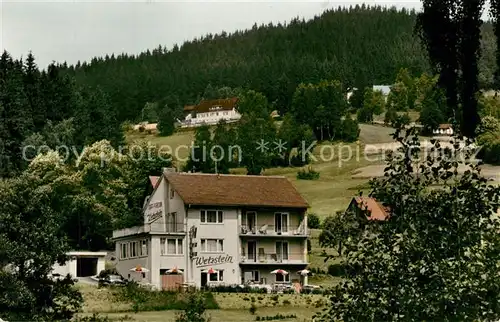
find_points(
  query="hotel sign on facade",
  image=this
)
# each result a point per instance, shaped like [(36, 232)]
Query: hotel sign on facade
[(213, 260), (153, 212)]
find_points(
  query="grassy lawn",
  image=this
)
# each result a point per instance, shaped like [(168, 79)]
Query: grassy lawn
[(227, 315), (233, 306)]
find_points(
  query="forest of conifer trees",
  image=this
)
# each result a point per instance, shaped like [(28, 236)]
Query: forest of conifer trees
[(358, 46)]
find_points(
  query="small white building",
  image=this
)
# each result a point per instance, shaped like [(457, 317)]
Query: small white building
[(211, 112), (443, 129), (81, 264)]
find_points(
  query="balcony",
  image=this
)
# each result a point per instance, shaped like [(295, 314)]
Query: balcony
[(271, 231), (171, 228), (273, 258)]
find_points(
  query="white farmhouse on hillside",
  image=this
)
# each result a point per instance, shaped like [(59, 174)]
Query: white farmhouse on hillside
[(211, 112), (443, 129)]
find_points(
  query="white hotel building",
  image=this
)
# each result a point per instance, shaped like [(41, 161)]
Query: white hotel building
[(209, 112), (202, 229)]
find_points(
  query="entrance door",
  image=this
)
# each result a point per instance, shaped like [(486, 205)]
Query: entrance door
[(282, 251), (280, 223), (252, 251), (251, 221), (204, 279)]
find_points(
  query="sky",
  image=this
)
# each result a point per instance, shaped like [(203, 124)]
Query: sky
[(75, 30)]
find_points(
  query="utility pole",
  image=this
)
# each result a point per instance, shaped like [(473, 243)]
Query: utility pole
[(192, 245)]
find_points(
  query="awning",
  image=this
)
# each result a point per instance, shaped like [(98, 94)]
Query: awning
[(279, 271)]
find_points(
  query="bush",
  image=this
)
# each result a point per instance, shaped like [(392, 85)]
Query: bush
[(336, 270), (308, 174), (253, 309), (350, 130), (93, 318), (194, 310), (313, 221), (144, 299), (127, 126), (278, 316), (234, 289)]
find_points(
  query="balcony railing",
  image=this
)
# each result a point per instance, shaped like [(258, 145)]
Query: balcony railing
[(170, 227), (272, 230), (273, 258)]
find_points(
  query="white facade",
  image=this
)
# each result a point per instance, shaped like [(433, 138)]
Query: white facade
[(81, 264), (212, 117), (221, 243), (443, 131)]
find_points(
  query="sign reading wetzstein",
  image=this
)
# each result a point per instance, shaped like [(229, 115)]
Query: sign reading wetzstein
[(154, 211), (213, 260)]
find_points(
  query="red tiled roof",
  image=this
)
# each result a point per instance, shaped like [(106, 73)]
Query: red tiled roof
[(188, 108), (235, 190), (376, 209), (153, 180)]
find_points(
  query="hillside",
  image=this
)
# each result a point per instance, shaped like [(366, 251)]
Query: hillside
[(357, 46)]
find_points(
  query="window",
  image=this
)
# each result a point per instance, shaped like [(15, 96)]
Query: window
[(144, 247), (256, 276), (173, 246), (162, 246), (282, 278), (281, 222), (212, 216), (282, 251), (217, 276), (133, 249), (172, 193), (179, 247), (123, 250), (212, 245)]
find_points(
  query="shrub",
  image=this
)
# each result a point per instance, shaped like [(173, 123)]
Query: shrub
[(278, 316), (93, 318), (127, 126), (308, 174), (253, 309), (286, 302), (194, 310), (336, 270), (313, 221), (144, 299)]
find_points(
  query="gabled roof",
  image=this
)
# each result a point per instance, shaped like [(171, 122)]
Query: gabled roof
[(376, 209), (153, 180), (445, 126), (235, 190), (226, 104)]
